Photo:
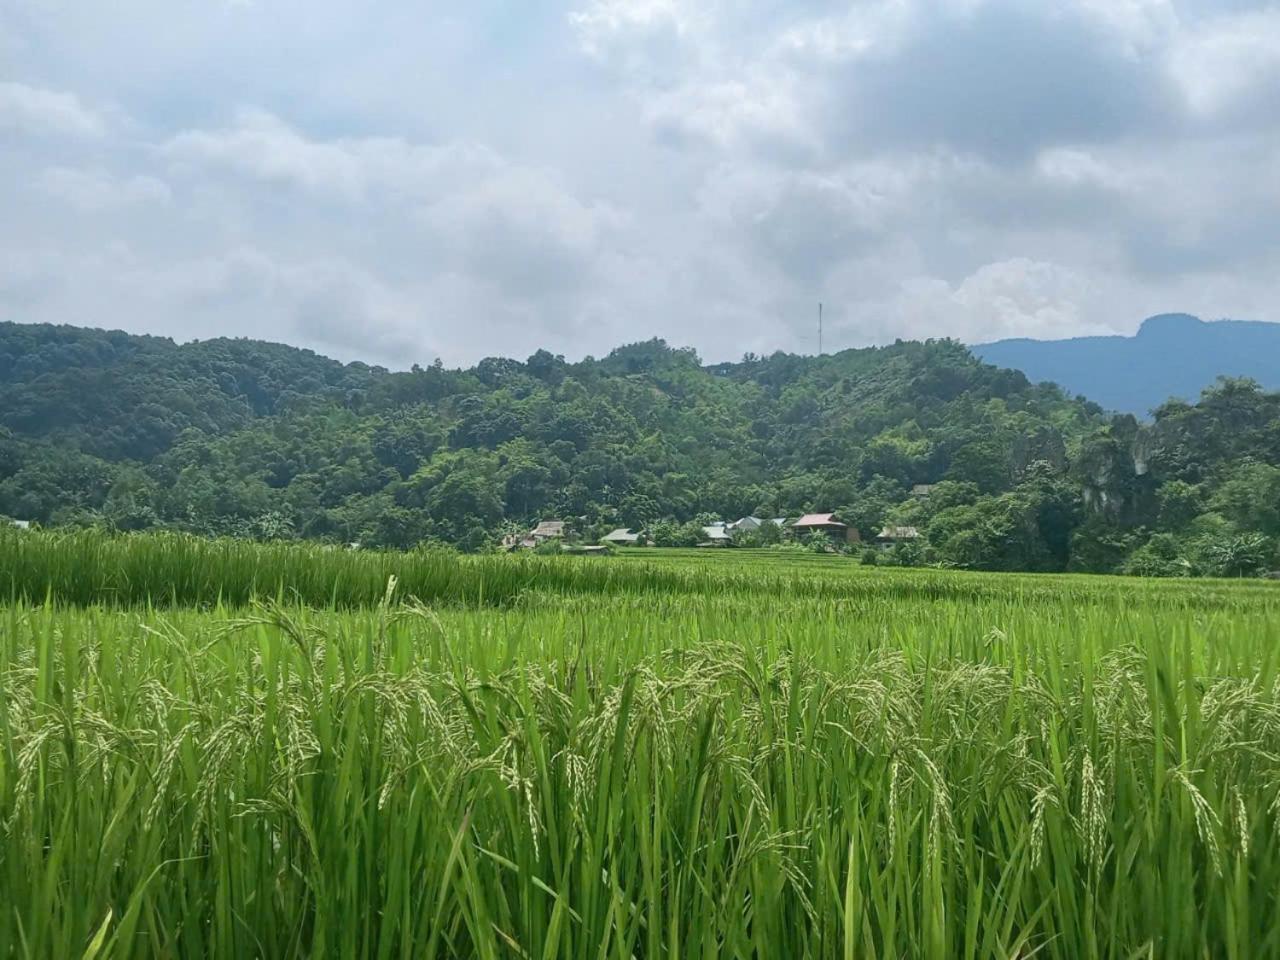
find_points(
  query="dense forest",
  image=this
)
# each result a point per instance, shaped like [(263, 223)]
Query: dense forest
[(242, 438)]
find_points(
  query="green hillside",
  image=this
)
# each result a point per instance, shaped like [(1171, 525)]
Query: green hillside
[(242, 438)]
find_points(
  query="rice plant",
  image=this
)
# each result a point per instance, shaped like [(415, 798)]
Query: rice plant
[(175, 570), (1059, 769)]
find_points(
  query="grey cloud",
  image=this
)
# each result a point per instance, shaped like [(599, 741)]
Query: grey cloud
[(373, 246), (1003, 81), (805, 222), (393, 184), (469, 204)]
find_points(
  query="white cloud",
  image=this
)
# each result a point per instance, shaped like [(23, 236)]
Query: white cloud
[(94, 190), (871, 29), (1025, 298), (729, 112), (1011, 298), (603, 23), (261, 146), (33, 111), (1229, 59), (1074, 167)]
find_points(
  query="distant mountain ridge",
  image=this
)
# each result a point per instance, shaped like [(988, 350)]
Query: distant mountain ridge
[(1172, 355)]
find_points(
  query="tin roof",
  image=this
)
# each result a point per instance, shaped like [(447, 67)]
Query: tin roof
[(622, 535), (818, 520)]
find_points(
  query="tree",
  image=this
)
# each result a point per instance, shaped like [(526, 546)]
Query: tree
[(1100, 547), (526, 478), (1161, 556), (406, 442), (1179, 503), (984, 463), (666, 533), (459, 492), (769, 534), (546, 366), (130, 503), (1245, 555), (689, 534), (871, 506), (1250, 498), (1057, 507), (273, 525)]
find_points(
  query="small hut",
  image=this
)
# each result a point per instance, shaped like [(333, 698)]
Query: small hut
[(548, 530), (716, 535), (892, 535), (622, 537)]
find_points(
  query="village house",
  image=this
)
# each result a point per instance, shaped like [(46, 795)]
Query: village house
[(828, 524), (747, 525), (716, 535), (922, 491), (622, 537), (892, 535), (545, 531), (548, 530), (514, 541), (21, 524)]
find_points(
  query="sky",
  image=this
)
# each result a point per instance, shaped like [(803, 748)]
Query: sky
[(398, 181)]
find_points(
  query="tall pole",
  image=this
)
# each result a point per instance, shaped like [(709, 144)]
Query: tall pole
[(819, 328)]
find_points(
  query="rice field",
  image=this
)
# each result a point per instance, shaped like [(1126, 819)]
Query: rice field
[(89, 568), (220, 750)]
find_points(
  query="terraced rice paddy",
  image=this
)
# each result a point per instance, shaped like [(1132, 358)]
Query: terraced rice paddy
[(233, 751)]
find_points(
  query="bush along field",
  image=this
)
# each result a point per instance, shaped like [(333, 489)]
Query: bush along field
[(272, 758)]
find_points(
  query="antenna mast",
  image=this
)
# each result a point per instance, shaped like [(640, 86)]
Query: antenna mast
[(819, 328)]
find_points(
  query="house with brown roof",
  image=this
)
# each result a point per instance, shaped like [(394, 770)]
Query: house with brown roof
[(828, 524)]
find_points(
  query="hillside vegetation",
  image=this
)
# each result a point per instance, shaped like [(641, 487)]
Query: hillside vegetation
[(256, 440)]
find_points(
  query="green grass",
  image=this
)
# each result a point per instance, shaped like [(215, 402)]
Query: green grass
[(611, 758)]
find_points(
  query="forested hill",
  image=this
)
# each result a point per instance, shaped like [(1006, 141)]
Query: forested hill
[(253, 439), (1174, 355), (121, 396)]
